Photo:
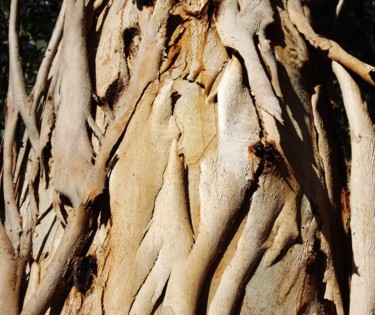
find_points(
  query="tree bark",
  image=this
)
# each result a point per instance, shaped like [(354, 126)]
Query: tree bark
[(179, 158)]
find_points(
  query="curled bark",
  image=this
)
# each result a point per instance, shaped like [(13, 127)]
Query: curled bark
[(238, 127), (75, 236), (19, 96), (333, 50), (44, 70), (145, 71), (222, 178), (237, 30)]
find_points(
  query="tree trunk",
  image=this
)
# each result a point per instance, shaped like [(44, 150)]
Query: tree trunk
[(179, 158)]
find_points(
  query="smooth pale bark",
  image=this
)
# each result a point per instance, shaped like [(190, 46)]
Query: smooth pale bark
[(362, 197), (186, 148)]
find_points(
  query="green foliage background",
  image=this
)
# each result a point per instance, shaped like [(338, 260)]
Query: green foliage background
[(37, 21), (355, 32)]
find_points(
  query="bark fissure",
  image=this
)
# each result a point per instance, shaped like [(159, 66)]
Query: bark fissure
[(185, 146)]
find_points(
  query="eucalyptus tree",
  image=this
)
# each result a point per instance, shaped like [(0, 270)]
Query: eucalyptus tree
[(179, 157)]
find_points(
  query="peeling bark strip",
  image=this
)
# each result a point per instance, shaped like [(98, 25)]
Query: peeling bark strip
[(298, 16), (225, 177), (74, 171), (45, 67), (220, 166), (362, 197), (145, 71), (170, 217), (75, 175), (17, 81), (75, 236), (237, 29)]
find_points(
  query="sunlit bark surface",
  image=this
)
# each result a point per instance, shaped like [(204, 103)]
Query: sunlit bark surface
[(180, 158)]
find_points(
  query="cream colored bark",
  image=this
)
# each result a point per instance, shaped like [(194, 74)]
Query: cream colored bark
[(185, 149), (362, 197)]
